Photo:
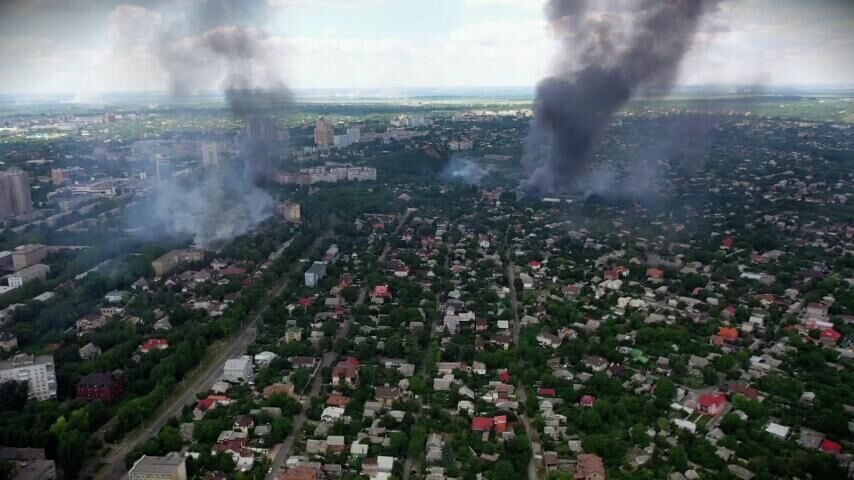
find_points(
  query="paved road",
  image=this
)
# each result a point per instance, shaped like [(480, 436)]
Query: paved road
[(317, 384), (114, 461), (426, 362), (521, 395)]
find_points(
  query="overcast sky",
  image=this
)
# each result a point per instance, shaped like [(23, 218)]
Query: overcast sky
[(91, 46)]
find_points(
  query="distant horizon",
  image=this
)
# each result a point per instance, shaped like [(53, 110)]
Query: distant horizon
[(403, 93)]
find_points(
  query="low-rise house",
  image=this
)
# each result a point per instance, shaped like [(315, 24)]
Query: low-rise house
[(546, 339), (387, 396), (346, 373), (264, 359), (115, 296), (209, 403), (590, 467), (434, 447), (303, 362), (712, 404), (154, 344), (90, 351), (238, 370), (596, 363), (90, 322)]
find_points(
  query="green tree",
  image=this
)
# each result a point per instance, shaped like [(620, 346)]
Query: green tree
[(13, 395), (170, 438)]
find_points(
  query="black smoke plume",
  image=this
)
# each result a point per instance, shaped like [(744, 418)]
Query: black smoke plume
[(607, 58), (221, 40)]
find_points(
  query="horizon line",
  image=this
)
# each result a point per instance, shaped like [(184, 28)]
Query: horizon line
[(758, 89)]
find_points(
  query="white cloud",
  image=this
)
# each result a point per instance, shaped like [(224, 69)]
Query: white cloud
[(506, 3), (318, 3)]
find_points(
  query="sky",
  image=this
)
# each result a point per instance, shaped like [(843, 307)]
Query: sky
[(94, 46)]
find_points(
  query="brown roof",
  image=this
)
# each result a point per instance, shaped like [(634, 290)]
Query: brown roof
[(299, 473), (589, 464)]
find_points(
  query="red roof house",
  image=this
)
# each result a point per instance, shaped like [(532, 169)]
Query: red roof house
[(830, 446), (712, 404), (481, 424), (728, 333), (236, 271), (212, 401), (587, 401), (381, 291), (505, 376), (154, 344), (830, 335), (655, 273), (546, 392), (500, 423)]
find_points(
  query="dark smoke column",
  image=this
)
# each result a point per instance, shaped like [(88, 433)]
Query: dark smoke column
[(222, 40), (604, 61)]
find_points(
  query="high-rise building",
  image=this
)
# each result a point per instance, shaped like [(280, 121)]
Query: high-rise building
[(38, 372), (15, 196), (324, 133), (162, 167), (355, 134), (210, 154), (261, 129)]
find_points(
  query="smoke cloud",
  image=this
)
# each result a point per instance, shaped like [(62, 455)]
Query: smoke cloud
[(607, 58), (216, 41), (463, 170)]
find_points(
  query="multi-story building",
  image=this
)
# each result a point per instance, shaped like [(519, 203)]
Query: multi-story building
[(37, 371), (100, 386), (15, 196), (324, 133), (158, 468), (355, 134), (20, 278), (26, 255), (315, 274), (290, 212), (261, 129), (360, 174), (174, 258), (210, 154), (342, 141)]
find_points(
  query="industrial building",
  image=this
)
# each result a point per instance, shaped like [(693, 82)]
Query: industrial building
[(158, 468)]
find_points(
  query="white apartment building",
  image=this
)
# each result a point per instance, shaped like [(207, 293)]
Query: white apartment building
[(38, 372), (38, 271)]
